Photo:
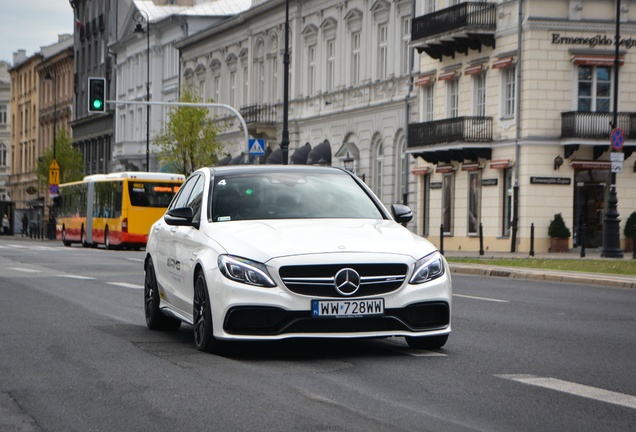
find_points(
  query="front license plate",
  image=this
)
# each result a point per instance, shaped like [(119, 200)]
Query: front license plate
[(347, 308)]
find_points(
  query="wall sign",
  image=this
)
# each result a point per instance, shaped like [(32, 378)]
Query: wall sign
[(551, 180), (489, 182), (435, 185), (598, 40)]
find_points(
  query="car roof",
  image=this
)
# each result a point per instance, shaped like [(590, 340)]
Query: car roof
[(244, 169)]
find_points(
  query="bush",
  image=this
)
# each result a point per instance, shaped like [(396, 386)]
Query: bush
[(557, 227), (629, 225)]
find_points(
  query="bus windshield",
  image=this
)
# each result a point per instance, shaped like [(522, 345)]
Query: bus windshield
[(151, 194)]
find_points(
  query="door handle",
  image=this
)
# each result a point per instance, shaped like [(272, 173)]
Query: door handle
[(173, 230)]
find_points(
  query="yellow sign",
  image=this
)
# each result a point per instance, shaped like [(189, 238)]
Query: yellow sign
[(54, 173)]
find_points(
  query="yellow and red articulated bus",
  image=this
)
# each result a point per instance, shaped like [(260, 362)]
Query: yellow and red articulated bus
[(116, 210)]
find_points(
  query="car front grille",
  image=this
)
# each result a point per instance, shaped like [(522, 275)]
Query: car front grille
[(319, 280)]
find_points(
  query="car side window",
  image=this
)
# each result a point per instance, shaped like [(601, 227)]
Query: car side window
[(183, 197), (196, 199)]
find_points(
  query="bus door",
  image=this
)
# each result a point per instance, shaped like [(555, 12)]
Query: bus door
[(90, 199)]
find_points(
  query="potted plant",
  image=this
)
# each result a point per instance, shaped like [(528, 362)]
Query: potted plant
[(628, 231), (559, 234)]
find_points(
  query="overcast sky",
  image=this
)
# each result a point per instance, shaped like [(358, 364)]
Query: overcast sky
[(31, 24)]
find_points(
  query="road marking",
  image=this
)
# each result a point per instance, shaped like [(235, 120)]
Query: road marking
[(575, 389), (135, 259), (481, 298), (126, 285), (72, 276), (24, 270), (417, 352)]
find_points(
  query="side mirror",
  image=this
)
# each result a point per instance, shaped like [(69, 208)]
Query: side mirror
[(401, 213), (181, 216)]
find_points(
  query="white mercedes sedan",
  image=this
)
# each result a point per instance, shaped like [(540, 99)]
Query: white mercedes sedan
[(265, 252)]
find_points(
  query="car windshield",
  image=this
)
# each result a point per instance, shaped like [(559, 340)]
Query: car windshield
[(290, 195)]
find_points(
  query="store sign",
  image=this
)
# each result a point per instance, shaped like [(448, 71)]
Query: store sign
[(489, 182), (435, 185), (551, 180), (594, 41)]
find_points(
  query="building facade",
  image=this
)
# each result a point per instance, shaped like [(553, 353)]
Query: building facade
[(5, 144), (349, 92), (147, 66), (516, 107)]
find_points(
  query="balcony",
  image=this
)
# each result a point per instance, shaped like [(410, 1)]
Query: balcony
[(595, 125), (457, 129), (456, 29), (259, 114)]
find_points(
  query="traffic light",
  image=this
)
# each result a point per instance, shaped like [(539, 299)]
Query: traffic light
[(96, 95)]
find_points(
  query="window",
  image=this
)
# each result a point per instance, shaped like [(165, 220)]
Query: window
[(261, 82), (473, 202), (246, 85), (425, 201), (594, 88), (355, 58), (274, 95), (406, 39), (428, 100), (379, 168), (404, 169), (479, 85), (429, 6), (453, 97), (507, 202), (331, 64), (447, 203), (3, 154), (3, 114), (383, 50), (232, 88), (509, 81), (311, 70)]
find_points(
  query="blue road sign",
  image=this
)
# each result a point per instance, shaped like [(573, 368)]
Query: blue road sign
[(257, 147), (617, 139)]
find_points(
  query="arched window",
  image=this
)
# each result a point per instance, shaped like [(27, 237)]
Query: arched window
[(404, 168), (378, 168)]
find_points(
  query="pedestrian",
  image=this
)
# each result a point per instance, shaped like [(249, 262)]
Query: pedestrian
[(25, 225), (5, 225)]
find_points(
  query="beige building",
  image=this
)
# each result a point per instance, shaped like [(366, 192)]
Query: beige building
[(520, 114)]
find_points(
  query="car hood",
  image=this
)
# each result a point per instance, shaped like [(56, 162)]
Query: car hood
[(263, 240)]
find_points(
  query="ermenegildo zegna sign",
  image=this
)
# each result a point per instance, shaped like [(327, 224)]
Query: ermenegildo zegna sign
[(593, 41), (551, 180)]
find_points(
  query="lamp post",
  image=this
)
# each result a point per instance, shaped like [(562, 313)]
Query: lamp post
[(140, 17), (50, 77), (611, 230), (284, 145)]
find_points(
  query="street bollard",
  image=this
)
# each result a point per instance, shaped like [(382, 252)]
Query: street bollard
[(634, 242), (532, 239), (582, 240), (441, 239), (481, 239)]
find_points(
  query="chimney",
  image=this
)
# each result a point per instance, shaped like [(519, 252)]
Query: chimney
[(19, 57)]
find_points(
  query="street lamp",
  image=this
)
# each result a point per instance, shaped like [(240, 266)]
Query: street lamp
[(140, 17), (284, 145), (50, 77)]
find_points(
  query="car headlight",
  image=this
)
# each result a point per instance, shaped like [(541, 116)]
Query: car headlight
[(428, 268), (245, 271)]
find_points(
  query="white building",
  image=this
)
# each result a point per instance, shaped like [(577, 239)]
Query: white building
[(348, 84), (167, 25), (5, 145)]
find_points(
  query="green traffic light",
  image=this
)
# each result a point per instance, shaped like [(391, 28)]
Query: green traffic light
[(97, 104)]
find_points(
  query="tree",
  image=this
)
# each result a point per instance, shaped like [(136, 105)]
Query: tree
[(68, 158), (188, 141)]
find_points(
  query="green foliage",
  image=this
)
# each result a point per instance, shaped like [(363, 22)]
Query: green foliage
[(557, 228), (188, 141), (608, 266), (629, 225), (68, 158)]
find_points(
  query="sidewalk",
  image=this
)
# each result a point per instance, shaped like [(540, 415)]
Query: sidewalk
[(487, 269)]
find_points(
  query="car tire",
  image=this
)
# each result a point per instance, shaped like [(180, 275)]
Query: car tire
[(155, 319), (427, 342), (83, 238), (202, 316), (64, 241), (107, 244)]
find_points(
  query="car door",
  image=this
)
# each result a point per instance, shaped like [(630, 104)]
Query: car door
[(168, 271), (185, 245)]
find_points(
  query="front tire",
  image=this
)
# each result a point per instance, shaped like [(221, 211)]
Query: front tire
[(155, 319), (107, 244), (203, 331), (427, 342), (64, 241)]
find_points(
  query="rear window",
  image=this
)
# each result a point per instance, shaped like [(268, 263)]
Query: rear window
[(151, 194)]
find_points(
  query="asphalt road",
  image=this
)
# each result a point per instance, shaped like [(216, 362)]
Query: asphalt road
[(75, 355)]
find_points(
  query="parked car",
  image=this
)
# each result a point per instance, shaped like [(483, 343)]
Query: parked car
[(267, 252)]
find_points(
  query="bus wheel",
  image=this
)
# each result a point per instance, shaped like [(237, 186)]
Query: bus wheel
[(64, 241)]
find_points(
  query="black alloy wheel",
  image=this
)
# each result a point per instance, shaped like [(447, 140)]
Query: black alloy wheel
[(202, 317), (155, 319), (64, 241)]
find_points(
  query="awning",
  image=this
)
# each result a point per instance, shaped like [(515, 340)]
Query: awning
[(424, 80), (420, 171), (444, 169), (474, 70), (447, 75), (503, 63), (470, 167), (597, 60), (501, 164), (590, 165)]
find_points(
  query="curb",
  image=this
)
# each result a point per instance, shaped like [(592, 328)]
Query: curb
[(545, 275)]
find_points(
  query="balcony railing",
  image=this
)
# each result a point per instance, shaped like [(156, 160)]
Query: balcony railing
[(259, 114), (471, 16), (595, 125), (466, 129)]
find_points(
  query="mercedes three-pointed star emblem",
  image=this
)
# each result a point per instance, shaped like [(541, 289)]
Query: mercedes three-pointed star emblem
[(347, 281)]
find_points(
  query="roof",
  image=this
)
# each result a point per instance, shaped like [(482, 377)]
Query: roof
[(209, 8)]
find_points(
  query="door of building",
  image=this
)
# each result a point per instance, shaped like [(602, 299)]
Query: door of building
[(590, 200)]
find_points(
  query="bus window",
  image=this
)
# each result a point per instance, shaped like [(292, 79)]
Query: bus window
[(151, 194)]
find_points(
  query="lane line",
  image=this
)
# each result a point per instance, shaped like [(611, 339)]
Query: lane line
[(582, 390), (72, 276), (24, 270), (418, 353), (126, 285), (481, 298)]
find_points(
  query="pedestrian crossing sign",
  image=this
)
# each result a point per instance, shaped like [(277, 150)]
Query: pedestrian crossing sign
[(257, 147)]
